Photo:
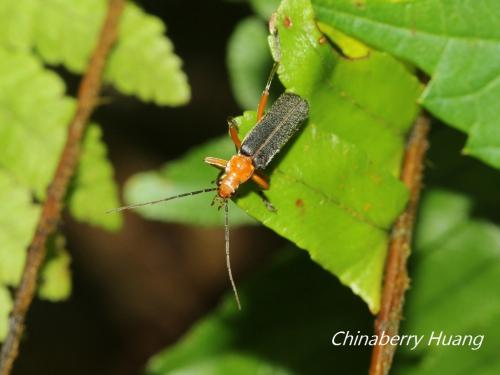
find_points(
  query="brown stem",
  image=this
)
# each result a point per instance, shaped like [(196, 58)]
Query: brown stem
[(51, 211), (396, 276)]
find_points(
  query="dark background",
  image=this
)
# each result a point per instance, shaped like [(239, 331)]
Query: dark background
[(137, 291)]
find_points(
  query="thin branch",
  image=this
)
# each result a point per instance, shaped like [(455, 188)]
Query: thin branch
[(396, 276), (51, 211)]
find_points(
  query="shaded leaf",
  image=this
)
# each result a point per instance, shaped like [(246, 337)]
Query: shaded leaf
[(94, 189), (465, 174), (187, 174), (335, 186), (248, 61), (272, 334), (454, 270), (350, 47), (264, 8), (456, 42), (465, 254)]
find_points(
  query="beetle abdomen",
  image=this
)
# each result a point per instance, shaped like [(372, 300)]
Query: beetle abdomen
[(273, 131)]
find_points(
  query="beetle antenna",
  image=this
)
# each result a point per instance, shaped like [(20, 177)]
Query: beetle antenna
[(228, 260), (162, 200)]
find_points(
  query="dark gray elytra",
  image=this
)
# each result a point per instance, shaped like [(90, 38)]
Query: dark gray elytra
[(273, 131)]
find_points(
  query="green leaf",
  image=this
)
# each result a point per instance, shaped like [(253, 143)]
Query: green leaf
[(187, 174), (465, 254), (142, 62), (93, 186), (5, 309), (350, 47), (456, 42), (16, 18), (18, 218), (274, 333), (248, 61), (335, 186), (55, 275), (33, 116)]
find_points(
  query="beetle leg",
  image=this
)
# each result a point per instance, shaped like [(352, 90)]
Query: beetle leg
[(216, 162), (266, 201), (233, 132), (260, 180), (263, 182), (220, 176), (265, 93)]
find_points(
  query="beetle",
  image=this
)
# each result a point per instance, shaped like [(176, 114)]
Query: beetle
[(254, 153)]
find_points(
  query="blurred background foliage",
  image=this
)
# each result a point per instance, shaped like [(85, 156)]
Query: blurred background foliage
[(139, 290)]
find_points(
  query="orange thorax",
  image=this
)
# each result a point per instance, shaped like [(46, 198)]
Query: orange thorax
[(239, 169)]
